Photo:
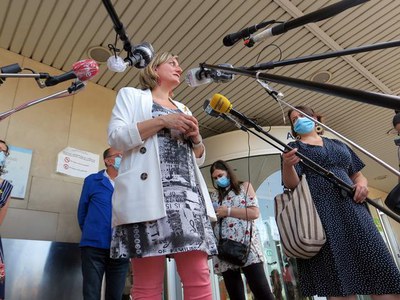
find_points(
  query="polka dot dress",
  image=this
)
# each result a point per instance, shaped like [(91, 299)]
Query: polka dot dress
[(355, 259)]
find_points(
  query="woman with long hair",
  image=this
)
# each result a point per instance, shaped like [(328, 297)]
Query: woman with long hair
[(237, 209)]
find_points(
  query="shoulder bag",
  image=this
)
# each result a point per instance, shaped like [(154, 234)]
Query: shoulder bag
[(300, 228)]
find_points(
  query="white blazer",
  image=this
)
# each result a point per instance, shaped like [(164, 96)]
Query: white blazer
[(138, 192)]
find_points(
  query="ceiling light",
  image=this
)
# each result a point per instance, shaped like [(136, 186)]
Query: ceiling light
[(99, 54), (321, 76)]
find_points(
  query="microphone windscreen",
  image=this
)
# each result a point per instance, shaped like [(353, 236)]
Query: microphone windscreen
[(220, 103), (195, 78), (85, 69), (116, 64)]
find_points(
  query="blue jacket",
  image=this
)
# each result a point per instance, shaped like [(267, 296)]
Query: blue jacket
[(94, 211)]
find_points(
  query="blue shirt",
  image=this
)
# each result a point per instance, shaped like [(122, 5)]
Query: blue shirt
[(94, 211)]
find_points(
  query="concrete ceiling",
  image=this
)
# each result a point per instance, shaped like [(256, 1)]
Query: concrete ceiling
[(59, 33)]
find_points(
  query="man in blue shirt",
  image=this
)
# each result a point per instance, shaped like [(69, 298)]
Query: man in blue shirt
[(94, 217)]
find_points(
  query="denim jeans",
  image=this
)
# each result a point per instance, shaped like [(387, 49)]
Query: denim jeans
[(96, 262)]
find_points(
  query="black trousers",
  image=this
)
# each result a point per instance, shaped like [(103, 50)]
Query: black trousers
[(256, 279)]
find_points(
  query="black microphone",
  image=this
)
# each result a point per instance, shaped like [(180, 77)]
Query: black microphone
[(315, 16), (14, 68), (83, 70), (233, 38), (141, 55), (198, 76)]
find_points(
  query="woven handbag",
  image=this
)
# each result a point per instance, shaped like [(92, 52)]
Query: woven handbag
[(299, 225)]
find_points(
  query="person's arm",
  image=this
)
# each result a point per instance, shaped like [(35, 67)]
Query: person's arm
[(251, 213), (3, 211), (83, 204), (289, 175), (361, 187), (237, 212)]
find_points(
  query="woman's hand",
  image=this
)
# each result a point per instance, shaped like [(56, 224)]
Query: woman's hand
[(290, 158), (289, 175), (186, 124), (360, 192), (360, 187), (222, 211)]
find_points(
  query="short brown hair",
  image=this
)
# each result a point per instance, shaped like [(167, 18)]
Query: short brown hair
[(147, 76)]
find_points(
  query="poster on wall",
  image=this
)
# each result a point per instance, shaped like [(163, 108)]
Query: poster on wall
[(18, 164), (77, 163)]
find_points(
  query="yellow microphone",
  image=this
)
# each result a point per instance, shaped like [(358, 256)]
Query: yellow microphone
[(220, 104)]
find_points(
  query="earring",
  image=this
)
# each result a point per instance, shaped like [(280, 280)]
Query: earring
[(318, 129)]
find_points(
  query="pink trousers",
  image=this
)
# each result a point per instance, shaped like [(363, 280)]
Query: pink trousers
[(148, 276)]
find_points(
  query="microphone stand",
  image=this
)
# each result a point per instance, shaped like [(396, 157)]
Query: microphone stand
[(73, 89), (313, 166), (287, 62), (118, 26), (278, 97), (132, 57), (378, 99), (36, 76)]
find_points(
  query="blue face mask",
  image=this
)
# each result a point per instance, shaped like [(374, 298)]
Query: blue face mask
[(303, 125), (2, 159), (223, 182), (117, 162)]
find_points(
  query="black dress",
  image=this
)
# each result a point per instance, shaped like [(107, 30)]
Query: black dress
[(355, 259)]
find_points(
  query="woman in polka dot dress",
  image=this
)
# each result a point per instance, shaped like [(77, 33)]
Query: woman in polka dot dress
[(355, 259)]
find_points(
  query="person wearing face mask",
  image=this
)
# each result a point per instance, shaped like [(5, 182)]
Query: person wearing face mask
[(5, 196), (237, 210), (354, 260), (94, 217)]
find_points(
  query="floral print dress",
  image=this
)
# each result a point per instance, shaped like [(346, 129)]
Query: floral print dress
[(238, 229)]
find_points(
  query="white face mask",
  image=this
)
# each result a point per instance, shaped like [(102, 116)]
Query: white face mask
[(2, 159)]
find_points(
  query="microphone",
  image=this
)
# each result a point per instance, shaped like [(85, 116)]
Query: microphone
[(116, 64), (222, 105), (233, 38), (199, 76), (141, 55), (82, 70), (213, 113), (315, 16), (209, 110)]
